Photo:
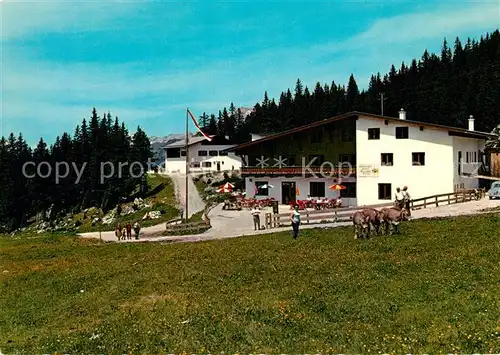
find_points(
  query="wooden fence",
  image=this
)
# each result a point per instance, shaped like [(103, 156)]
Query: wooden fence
[(345, 214), (341, 214), (447, 199)]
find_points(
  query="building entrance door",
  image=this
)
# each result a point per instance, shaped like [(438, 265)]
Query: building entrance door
[(218, 166), (288, 192)]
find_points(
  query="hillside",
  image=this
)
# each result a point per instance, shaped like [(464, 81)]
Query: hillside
[(160, 203), (434, 289), (100, 166)]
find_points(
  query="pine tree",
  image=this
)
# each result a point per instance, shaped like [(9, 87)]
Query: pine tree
[(352, 94)]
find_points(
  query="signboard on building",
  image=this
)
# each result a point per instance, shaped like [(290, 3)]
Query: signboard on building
[(368, 170)]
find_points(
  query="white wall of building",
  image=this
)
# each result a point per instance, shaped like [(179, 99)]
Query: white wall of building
[(226, 162), (435, 177), (301, 182)]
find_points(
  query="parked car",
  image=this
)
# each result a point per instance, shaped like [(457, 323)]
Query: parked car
[(494, 192)]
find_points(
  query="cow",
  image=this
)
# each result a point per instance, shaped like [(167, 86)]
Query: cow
[(392, 218), (376, 219), (361, 224)]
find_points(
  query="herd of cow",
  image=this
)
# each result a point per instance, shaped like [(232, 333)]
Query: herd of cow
[(370, 220)]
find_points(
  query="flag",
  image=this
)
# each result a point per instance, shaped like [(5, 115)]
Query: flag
[(198, 127), (297, 191)]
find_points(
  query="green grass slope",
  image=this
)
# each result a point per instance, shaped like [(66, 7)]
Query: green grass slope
[(161, 195), (433, 289)]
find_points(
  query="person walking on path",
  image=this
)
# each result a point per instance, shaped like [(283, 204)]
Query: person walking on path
[(129, 231), (118, 232), (400, 198), (407, 199), (137, 229), (256, 218), (295, 218)]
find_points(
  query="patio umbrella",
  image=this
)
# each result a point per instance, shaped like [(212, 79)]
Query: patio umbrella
[(225, 188), (337, 187), (228, 186), (267, 186)]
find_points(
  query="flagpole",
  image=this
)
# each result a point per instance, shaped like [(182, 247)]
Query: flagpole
[(187, 167)]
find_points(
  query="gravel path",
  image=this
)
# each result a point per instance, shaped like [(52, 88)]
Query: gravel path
[(231, 224), (195, 202)]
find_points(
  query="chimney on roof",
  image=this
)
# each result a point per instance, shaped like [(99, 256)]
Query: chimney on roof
[(471, 123), (402, 114)]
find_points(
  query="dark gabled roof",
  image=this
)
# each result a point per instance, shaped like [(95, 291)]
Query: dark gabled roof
[(216, 140), (458, 131), (182, 143)]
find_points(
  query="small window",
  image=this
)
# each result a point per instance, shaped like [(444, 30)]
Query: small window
[(262, 191), (373, 133), (467, 157), (401, 132), (207, 164), (421, 128), (386, 122), (213, 153), (349, 191), (331, 135), (387, 159), (418, 159), (183, 153), (317, 189), (347, 158), (347, 135), (173, 153), (459, 163), (202, 153), (316, 136), (222, 153), (384, 191), (195, 165)]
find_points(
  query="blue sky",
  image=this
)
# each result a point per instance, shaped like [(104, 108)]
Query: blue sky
[(147, 61)]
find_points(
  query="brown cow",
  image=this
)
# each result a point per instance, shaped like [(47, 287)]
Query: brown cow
[(392, 218), (361, 224), (376, 219)]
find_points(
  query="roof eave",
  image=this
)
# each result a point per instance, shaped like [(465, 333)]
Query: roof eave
[(293, 130)]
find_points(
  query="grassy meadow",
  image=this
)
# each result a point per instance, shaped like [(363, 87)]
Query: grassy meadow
[(434, 289)]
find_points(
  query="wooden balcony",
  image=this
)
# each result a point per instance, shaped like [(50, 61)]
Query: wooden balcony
[(326, 171)]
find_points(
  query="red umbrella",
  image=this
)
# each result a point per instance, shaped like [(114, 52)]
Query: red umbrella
[(227, 187)]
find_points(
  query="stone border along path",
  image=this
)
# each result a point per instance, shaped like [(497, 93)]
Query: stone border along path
[(232, 224)]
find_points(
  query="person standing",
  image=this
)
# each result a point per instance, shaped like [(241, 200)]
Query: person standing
[(399, 197), (118, 232), (407, 199), (137, 229), (256, 218), (295, 218), (129, 231)]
